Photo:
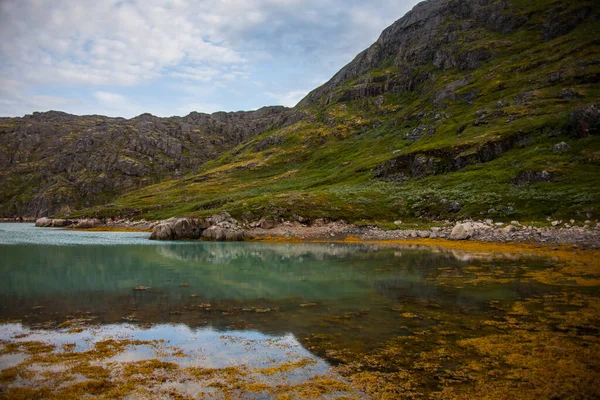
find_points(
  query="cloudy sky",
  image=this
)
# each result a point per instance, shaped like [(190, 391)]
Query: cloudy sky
[(170, 57)]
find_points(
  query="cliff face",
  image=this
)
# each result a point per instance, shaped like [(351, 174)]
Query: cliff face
[(54, 162), (444, 34)]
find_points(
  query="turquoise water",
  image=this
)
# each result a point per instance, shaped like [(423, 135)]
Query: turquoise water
[(66, 271), (50, 276)]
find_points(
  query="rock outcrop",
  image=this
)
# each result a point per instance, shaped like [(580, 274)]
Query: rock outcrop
[(220, 227), (431, 34)]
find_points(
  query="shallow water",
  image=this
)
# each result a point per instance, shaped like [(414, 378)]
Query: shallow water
[(299, 320)]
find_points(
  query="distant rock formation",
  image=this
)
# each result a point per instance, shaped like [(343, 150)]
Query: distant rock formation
[(53, 162)]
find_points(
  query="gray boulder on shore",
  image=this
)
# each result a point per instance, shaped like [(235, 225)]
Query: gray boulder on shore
[(462, 232), (220, 227)]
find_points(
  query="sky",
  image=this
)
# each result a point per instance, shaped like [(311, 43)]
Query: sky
[(122, 58)]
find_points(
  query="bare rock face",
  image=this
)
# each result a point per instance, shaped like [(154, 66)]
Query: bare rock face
[(462, 232), (423, 36)]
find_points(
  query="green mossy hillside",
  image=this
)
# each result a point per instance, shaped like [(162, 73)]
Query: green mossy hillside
[(460, 144)]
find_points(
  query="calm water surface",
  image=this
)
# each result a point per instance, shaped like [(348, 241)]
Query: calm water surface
[(247, 305)]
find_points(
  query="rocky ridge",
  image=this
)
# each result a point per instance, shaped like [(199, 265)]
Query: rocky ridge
[(429, 35), (54, 162)]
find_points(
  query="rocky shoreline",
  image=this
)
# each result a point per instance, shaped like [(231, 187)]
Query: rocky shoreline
[(222, 227)]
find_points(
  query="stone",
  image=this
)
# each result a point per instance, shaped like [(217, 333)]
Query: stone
[(585, 121), (454, 207), (267, 223), (555, 223), (462, 232), (221, 234), (59, 223), (423, 234), (561, 147), (43, 222), (554, 77), (509, 229), (569, 93), (87, 223), (398, 223), (162, 231)]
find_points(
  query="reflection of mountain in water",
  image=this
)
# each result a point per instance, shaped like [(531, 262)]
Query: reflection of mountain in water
[(101, 279), (213, 270), (226, 253)]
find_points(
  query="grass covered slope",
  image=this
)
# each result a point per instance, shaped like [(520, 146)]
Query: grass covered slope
[(471, 125)]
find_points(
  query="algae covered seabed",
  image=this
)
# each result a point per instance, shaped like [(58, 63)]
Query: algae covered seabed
[(300, 320)]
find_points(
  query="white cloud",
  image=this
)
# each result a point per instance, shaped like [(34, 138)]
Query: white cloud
[(110, 98), (103, 46), (289, 99)]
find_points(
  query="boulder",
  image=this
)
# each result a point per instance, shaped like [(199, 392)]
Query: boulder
[(43, 222), (88, 223), (509, 229), (462, 232), (561, 147), (219, 227), (218, 218), (162, 231), (223, 234), (58, 223), (179, 228), (267, 223)]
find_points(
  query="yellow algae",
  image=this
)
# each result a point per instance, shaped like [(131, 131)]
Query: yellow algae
[(287, 367)]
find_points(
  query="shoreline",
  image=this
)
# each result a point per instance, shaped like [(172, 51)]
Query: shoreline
[(490, 232)]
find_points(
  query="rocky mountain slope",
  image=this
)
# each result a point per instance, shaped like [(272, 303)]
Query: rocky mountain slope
[(461, 109), (54, 162)]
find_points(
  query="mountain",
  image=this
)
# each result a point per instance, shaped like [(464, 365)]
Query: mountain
[(461, 108), (54, 162)]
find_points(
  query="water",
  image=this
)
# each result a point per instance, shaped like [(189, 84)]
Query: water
[(309, 319)]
